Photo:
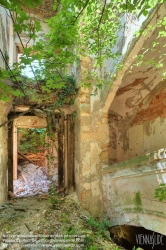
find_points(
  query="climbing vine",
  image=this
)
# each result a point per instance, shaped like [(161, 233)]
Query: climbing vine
[(85, 27)]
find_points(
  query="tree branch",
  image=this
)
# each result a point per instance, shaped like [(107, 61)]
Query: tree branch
[(98, 27), (102, 12), (23, 113), (24, 47), (81, 11), (11, 72), (31, 34)]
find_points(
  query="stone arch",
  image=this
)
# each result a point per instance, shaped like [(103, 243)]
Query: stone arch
[(137, 164)]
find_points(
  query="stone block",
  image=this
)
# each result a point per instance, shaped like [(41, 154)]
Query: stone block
[(86, 186), (85, 108), (104, 120), (95, 188), (85, 120), (102, 134), (85, 195), (104, 157), (86, 163), (96, 207)]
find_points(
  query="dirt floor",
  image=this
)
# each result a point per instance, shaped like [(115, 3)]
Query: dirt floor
[(50, 221)]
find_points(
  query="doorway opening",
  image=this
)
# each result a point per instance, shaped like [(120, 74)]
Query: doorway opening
[(57, 151), (33, 175)]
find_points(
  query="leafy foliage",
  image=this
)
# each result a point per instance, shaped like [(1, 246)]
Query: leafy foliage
[(85, 27), (98, 227), (52, 193), (32, 140), (160, 193), (140, 7)]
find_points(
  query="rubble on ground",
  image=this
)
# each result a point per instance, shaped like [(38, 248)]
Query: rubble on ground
[(32, 180), (36, 222)]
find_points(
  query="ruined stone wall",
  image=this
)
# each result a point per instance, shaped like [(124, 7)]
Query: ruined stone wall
[(129, 188), (136, 152), (140, 132), (4, 110), (4, 106), (91, 139), (148, 127), (97, 128), (45, 10), (4, 34)]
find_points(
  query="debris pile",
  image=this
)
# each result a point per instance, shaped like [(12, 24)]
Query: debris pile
[(32, 180), (37, 158)]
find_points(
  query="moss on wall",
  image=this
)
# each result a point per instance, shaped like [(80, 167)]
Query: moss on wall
[(137, 200), (144, 211)]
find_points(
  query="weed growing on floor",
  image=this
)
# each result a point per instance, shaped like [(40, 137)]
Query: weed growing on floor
[(8, 228), (89, 243), (52, 192), (64, 218), (99, 228)]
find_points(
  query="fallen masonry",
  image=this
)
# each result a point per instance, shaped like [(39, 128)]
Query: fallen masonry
[(32, 180)]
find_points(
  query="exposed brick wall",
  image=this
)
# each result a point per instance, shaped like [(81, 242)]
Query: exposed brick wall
[(156, 108), (130, 86), (44, 11), (138, 132)]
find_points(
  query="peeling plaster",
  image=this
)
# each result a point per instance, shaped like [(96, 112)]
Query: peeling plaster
[(3, 42), (86, 164), (130, 191)]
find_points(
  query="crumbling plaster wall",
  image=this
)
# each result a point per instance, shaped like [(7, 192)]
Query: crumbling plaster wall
[(137, 124), (92, 133), (128, 192), (44, 11), (4, 110), (4, 34), (4, 106), (91, 138), (140, 132)]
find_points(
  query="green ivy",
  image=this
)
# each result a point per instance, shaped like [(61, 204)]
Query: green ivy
[(79, 28), (160, 193)]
